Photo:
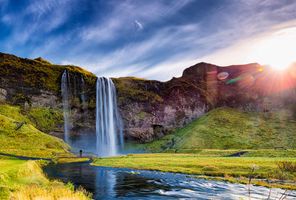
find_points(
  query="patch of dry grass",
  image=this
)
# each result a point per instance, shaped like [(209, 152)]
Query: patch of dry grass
[(54, 191)]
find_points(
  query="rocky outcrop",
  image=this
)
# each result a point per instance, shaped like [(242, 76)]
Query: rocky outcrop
[(150, 109), (3, 94)]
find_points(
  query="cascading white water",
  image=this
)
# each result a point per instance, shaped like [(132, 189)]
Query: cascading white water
[(108, 121), (65, 89), (83, 94)]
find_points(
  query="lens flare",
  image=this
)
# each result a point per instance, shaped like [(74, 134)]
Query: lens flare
[(276, 50)]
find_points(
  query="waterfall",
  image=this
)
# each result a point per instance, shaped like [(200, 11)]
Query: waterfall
[(65, 89), (108, 121), (83, 96)]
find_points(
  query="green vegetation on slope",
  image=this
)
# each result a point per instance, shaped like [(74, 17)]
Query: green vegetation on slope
[(46, 119), (25, 71), (19, 137), (227, 167), (227, 128), (20, 179), (13, 112), (135, 89), (25, 180)]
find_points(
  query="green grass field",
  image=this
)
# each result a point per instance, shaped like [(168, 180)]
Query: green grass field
[(227, 128), (213, 166)]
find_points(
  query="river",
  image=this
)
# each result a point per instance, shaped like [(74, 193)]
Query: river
[(116, 183)]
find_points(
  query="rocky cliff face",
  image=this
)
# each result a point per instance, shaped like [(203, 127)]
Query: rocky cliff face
[(150, 109)]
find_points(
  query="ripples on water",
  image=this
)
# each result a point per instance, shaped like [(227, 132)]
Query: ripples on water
[(110, 183)]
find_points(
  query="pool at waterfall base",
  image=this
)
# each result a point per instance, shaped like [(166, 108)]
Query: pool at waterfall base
[(120, 183)]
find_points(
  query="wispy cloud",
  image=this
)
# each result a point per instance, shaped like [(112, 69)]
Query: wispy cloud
[(139, 25), (172, 48), (36, 19), (153, 39), (125, 13), (139, 55)]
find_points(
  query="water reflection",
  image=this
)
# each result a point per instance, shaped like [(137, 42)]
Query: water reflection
[(105, 182), (110, 183)]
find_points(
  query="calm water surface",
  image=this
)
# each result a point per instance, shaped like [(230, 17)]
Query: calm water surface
[(112, 183)]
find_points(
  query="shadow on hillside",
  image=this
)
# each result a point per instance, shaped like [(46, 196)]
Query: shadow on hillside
[(24, 157)]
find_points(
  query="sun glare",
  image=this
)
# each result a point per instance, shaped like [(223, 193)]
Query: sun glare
[(277, 50)]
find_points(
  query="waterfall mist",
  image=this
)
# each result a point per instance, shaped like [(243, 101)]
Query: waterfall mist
[(109, 132), (65, 89)]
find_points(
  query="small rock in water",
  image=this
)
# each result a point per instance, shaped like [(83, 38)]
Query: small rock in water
[(133, 172)]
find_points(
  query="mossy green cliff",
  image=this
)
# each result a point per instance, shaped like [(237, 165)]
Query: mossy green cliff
[(38, 73), (34, 85)]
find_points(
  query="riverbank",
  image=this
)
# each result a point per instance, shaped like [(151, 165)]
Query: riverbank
[(24, 149), (266, 171), (24, 179)]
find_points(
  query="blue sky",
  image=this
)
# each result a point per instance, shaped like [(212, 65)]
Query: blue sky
[(153, 39)]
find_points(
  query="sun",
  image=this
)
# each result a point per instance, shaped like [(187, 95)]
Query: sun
[(277, 50)]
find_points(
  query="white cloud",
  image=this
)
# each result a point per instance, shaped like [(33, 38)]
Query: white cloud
[(139, 25)]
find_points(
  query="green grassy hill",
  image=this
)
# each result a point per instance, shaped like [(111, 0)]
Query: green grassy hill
[(24, 179), (227, 128), (18, 135)]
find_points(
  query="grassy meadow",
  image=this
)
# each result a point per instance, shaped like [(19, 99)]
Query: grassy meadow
[(237, 169)]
